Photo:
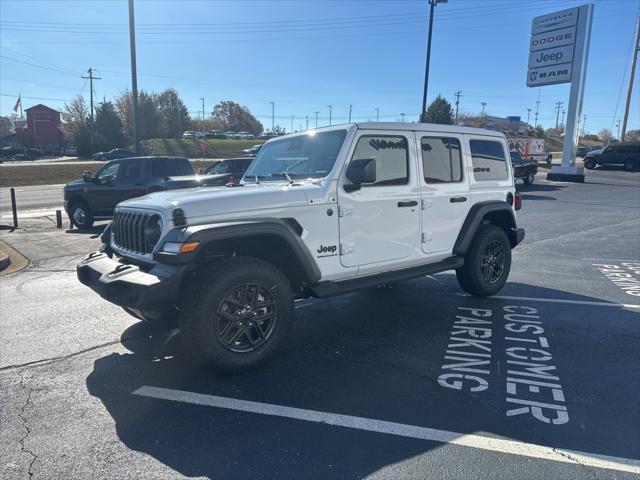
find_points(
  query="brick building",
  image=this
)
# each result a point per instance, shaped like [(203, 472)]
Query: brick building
[(43, 127)]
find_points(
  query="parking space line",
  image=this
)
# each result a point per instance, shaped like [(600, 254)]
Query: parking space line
[(611, 260), (513, 447), (561, 300)]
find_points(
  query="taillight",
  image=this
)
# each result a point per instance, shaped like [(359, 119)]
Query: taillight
[(517, 204)]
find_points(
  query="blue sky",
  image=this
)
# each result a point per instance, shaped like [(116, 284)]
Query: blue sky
[(306, 55)]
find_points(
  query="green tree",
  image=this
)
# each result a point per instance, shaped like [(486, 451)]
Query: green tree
[(76, 124), (108, 128), (150, 120), (174, 113), (439, 111), (236, 117)]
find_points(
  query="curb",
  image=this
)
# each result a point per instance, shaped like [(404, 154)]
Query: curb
[(5, 261)]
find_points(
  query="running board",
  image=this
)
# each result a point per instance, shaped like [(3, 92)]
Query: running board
[(330, 289)]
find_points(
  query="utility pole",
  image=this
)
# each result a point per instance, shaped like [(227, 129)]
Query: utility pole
[(350, 107), (432, 4), (636, 48), (91, 79), (402, 117), (330, 110), (458, 94), (484, 118), (273, 116), (134, 74), (562, 121), (558, 108), (202, 127), (316, 118), (377, 114)]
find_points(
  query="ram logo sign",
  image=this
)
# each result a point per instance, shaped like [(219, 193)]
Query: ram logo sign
[(549, 75)]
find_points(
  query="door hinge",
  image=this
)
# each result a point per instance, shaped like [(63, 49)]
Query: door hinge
[(346, 248), (427, 237), (342, 212), (425, 203)]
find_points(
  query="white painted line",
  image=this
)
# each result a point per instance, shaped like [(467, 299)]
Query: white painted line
[(512, 447), (610, 260), (560, 300)]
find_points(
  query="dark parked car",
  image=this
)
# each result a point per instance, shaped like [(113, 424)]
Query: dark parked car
[(96, 196), (582, 151), (523, 169), (253, 150), (114, 154), (222, 172), (627, 154)]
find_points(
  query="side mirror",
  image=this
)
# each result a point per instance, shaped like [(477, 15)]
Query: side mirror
[(86, 176), (360, 172), (200, 171)]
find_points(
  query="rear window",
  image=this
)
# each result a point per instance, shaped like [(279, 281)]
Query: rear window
[(441, 160), (489, 160), (170, 167)]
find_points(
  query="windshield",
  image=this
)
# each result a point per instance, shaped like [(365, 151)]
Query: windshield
[(305, 156)]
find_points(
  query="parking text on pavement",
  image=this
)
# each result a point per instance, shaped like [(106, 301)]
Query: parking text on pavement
[(625, 275)]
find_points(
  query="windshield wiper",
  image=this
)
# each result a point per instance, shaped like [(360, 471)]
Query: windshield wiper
[(257, 178), (283, 174)]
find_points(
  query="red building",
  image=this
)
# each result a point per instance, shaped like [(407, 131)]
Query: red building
[(43, 127)]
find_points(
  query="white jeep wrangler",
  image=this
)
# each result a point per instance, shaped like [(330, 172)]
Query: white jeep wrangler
[(318, 213)]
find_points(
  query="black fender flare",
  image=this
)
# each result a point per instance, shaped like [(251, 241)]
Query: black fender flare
[(237, 229), (478, 213)]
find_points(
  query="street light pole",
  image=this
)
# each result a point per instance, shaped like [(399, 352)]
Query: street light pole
[(377, 114), (350, 107), (402, 116), (432, 4), (316, 118), (528, 115), (484, 118), (273, 116), (306, 119), (202, 125), (330, 110)]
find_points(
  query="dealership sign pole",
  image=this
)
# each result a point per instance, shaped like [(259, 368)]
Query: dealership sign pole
[(558, 52)]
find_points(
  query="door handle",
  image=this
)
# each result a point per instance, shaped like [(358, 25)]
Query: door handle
[(458, 199), (408, 203)]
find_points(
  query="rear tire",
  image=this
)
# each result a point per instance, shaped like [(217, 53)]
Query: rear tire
[(240, 313), (487, 263), (528, 180), (81, 215), (630, 165)]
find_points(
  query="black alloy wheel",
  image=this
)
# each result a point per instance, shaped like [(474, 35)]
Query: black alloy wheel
[(492, 262), (246, 317)]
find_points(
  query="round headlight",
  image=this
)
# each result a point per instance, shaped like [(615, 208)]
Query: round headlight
[(153, 230)]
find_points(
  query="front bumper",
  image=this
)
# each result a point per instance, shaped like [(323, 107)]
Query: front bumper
[(127, 285)]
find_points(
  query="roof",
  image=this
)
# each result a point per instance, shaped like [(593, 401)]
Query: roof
[(411, 127), (40, 106)]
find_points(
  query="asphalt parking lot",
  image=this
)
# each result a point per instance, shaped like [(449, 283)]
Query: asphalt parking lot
[(412, 380)]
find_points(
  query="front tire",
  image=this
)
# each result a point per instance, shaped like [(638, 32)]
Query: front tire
[(589, 164), (239, 315), (487, 263), (81, 215)]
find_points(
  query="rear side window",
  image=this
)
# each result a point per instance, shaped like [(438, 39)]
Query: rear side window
[(391, 155), (489, 160), (170, 167), (441, 159)]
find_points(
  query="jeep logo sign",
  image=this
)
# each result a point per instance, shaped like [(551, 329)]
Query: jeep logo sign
[(551, 56)]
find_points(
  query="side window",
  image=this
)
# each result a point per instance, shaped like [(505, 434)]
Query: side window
[(177, 167), (109, 170), (159, 167), (441, 159), (391, 154), (131, 170), (489, 161)]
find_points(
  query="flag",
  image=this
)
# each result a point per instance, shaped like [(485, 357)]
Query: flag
[(18, 104)]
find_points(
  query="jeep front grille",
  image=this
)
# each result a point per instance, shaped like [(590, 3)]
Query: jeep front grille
[(128, 231)]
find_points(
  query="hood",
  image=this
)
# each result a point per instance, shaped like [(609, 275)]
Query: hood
[(594, 152), (206, 202), (77, 184)]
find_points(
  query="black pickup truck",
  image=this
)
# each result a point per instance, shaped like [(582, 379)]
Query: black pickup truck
[(96, 196), (523, 169)]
